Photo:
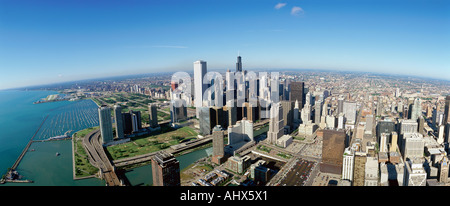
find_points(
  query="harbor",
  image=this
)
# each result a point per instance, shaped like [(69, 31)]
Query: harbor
[(46, 156), (12, 175)]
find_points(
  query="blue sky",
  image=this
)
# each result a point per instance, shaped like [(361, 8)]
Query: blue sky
[(55, 41)]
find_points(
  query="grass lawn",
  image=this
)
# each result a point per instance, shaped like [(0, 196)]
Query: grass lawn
[(82, 166), (152, 143), (299, 138)]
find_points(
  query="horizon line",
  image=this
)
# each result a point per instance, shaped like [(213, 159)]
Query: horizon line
[(105, 77)]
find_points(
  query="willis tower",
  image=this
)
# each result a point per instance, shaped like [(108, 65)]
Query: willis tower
[(239, 64)]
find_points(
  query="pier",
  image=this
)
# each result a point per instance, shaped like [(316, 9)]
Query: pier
[(11, 172)]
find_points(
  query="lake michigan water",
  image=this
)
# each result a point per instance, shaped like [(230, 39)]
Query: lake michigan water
[(20, 119)]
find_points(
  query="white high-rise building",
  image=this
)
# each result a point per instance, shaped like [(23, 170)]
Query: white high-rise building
[(408, 126), (383, 142), (199, 88), (414, 145), (397, 92), (317, 112), (296, 114), (440, 138), (416, 109), (308, 98), (306, 113), (348, 164), (350, 112), (331, 121), (240, 132), (276, 122), (415, 174), (340, 106), (371, 172), (341, 121)]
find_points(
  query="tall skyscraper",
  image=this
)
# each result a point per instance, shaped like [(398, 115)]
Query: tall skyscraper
[(104, 116), (447, 110), (385, 127), (199, 88), (288, 112), (178, 112), (348, 164), (165, 169), (394, 142), (416, 111), (317, 111), (413, 146), (379, 111), (421, 122), (415, 174), (296, 114), (298, 93), (232, 113), (249, 111), (350, 112), (383, 143), (136, 123), (153, 115), (332, 151), (408, 126), (204, 120), (240, 132), (127, 124), (359, 168), (218, 145), (276, 123), (306, 113), (441, 134), (239, 64), (118, 120), (446, 121), (443, 170), (217, 117), (340, 108)]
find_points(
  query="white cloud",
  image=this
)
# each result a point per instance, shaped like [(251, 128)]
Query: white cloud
[(296, 11), (280, 5)]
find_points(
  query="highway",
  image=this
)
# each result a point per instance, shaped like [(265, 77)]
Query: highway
[(98, 158)]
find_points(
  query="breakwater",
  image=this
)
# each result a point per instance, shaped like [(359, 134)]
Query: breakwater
[(12, 175)]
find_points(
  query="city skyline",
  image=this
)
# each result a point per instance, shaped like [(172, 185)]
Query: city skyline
[(49, 42)]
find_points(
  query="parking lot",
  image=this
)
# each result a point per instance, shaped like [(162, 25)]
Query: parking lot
[(298, 174), (323, 179)]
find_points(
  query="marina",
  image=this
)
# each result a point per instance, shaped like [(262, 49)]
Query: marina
[(47, 157), (72, 117), (60, 121)]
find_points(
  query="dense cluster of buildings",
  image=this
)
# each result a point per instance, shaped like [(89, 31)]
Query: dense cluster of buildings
[(126, 124), (374, 132)]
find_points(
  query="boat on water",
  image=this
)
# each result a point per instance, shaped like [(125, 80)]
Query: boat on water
[(57, 154), (64, 136)]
